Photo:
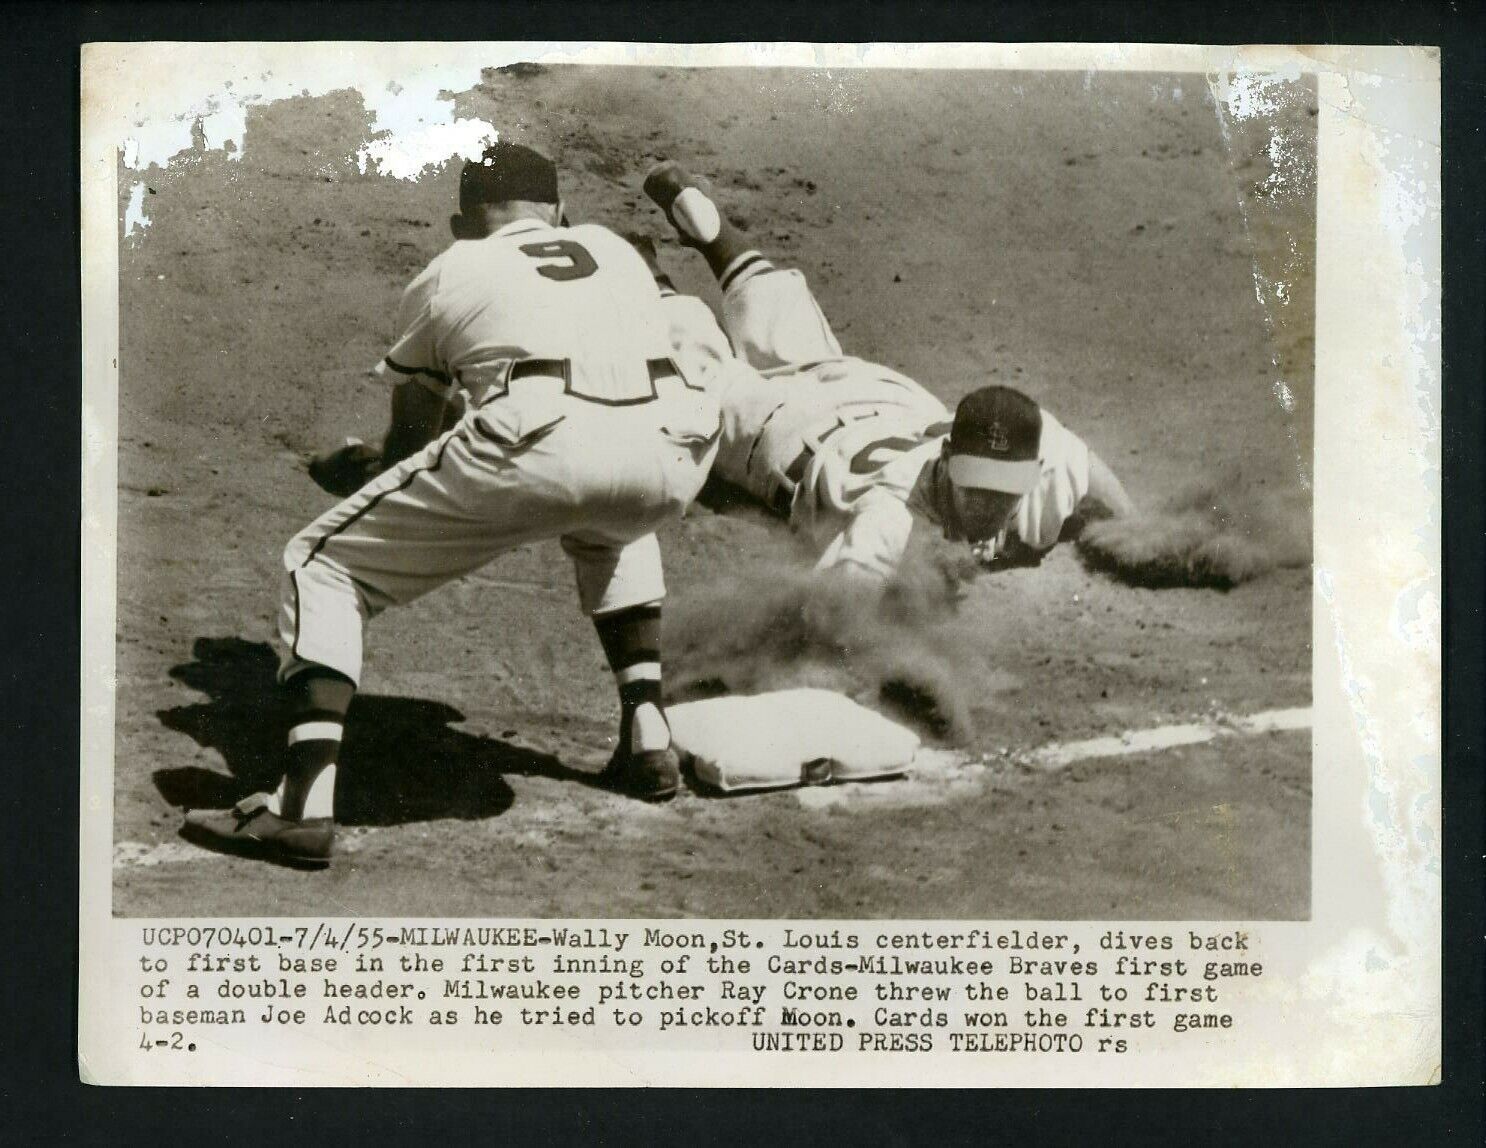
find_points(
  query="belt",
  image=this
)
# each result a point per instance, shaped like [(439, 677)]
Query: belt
[(562, 369)]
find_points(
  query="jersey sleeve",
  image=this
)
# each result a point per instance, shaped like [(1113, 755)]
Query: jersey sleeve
[(1062, 485), (414, 356), (874, 540)]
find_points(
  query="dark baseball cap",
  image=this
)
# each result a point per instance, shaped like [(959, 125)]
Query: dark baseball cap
[(507, 171), (995, 441)]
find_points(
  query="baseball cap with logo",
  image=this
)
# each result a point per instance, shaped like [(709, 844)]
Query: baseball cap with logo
[(994, 442), (505, 172)]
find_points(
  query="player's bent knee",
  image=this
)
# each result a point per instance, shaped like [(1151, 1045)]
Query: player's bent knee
[(609, 611), (614, 578), (321, 620), (297, 552), (291, 667)]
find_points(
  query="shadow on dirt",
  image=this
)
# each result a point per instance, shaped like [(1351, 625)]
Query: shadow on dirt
[(722, 497), (402, 760)]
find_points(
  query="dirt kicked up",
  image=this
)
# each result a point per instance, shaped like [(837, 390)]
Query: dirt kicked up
[(1109, 243)]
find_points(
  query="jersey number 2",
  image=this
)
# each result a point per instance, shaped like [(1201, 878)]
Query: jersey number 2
[(569, 260), (866, 460)]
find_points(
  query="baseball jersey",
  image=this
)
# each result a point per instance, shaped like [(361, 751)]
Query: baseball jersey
[(859, 507), (837, 444), (836, 447), (1063, 482), (530, 291)]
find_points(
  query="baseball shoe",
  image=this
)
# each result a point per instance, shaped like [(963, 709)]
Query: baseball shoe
[(251, 829), (686, 201), (650, 775)]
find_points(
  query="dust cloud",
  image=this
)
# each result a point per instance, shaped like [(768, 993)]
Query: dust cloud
[(1229, 530), (777, 625)]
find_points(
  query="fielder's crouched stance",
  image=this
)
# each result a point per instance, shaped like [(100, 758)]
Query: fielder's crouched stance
[(578, 426)]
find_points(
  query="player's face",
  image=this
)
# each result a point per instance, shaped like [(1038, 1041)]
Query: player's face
[(980, 514)]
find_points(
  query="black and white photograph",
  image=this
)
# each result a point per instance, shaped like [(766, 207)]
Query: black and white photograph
[(870, 565), (721, 492)]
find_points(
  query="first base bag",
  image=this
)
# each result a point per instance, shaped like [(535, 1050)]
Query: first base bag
[(786, 738)]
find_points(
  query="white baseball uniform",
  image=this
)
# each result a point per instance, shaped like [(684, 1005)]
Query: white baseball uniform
[(580, 426), (832, 442)]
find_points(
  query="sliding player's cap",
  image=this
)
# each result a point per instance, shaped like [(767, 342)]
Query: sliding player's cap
[(507, 171), (995, 440)]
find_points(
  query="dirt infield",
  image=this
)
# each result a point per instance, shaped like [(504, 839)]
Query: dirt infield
[(1138, 263)]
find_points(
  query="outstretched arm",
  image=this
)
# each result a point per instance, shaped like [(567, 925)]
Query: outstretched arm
[(873, 542), (1106, 489), (418, 416)]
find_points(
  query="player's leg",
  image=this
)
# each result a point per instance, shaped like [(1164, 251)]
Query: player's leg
[(295, 823), (402, 535), (395, 540), (319, 699), (769, 313), (620, 585), (631, 641), (699, 222)]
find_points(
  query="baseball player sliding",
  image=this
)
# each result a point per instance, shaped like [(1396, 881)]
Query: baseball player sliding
[(849, 451), (578, 425)]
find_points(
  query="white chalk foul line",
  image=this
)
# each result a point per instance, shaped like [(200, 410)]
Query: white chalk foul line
[(938, 774), (135, 855), (1061, 755), (930, 763)]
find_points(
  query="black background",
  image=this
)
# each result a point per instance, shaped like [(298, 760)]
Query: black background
[(42, 1099)]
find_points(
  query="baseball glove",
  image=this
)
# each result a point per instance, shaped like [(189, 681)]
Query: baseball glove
[(346, 469)]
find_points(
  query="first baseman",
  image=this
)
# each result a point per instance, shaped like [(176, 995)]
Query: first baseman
[(578, 426), (850, 451)]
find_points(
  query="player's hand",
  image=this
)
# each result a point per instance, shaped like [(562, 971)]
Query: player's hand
[(1008, 554), (346, 469)]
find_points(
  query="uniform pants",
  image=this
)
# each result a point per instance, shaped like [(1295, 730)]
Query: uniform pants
[(771, 319), (522, 468)]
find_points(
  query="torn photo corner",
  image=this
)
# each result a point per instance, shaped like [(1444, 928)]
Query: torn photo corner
[(704, 374)]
